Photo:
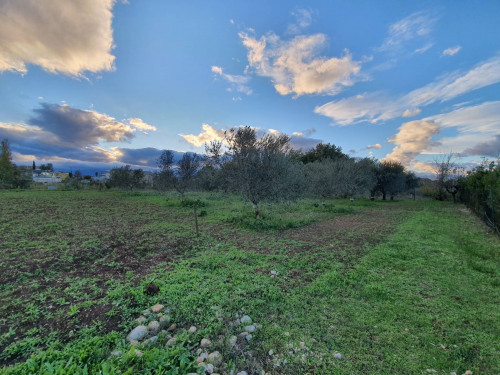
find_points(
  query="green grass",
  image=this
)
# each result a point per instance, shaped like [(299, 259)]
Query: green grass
[(394, 287)]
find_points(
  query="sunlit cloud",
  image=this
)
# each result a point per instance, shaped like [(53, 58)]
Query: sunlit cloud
[(298, 140), (60, 131), (451, 51), (375, 107), (140, 125), (409, 113), (413, 137), (208, 134), (375, 146), (295, 66), (69, 37), (238, 82)]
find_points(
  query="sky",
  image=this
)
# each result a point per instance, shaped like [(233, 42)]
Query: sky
[(107, 83)]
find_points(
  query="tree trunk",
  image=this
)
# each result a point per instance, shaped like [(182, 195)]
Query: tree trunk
[(196, 221), (256, 210), (383, 196)]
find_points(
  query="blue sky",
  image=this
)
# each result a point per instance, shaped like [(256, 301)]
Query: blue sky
[(107, 83)]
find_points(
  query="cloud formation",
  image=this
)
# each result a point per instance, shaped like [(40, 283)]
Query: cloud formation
[(375, 107), (69, 37), (413, 137), (488, 148), (451, 51), (412, 29), (238, 82), (303, 19), (298, 140), (63, 132), (375, 146), (409, 113), (294, 66)]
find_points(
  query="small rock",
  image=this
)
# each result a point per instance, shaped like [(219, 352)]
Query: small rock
[(271, 352), (134, 342), (242, 373), (146, 312), (192, 329), (468, 372), (248, 337), (287, 334), (232, 340), (138, 353), (337, 356), (172, 328), (164, 320), (209, 368), (141, 320), (154, 327), (243, 334), (157, 308), (250, 328), (151, 340), (302, 344), (202, 357), (138, 333), (214, 358), (205, 342), (274, 273), (246, 319), (116, 353), (172, 341)]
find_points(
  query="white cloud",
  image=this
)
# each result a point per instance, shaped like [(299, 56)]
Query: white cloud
[(415, 27), (478, 133), (208, 134), (451, 51), (424, 48), (140, 125), (423, 167), (303, 19), (375, 146), (238, 82), (409, 113), (295, 67), (413, 137), (482, 118), (376, 107), (69, 37)]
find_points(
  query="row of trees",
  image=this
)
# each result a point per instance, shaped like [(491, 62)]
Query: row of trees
[(267, 169)]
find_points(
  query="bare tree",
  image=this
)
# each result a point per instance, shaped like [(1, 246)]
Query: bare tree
[(185, 172), (448, 176)]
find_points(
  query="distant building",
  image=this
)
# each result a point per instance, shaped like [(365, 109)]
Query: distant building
[(44, 177)]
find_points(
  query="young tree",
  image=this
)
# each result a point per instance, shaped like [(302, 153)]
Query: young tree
[(185, 172), (411, 183), (391, 178), (7, 168), (259, 168), (164, 179), (448, 177), (126, 178)]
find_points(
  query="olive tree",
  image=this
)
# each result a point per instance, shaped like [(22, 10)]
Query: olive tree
[(260, 169), (126, 178)]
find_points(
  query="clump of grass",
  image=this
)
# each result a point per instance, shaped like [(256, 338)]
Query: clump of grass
[(268, 222)]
